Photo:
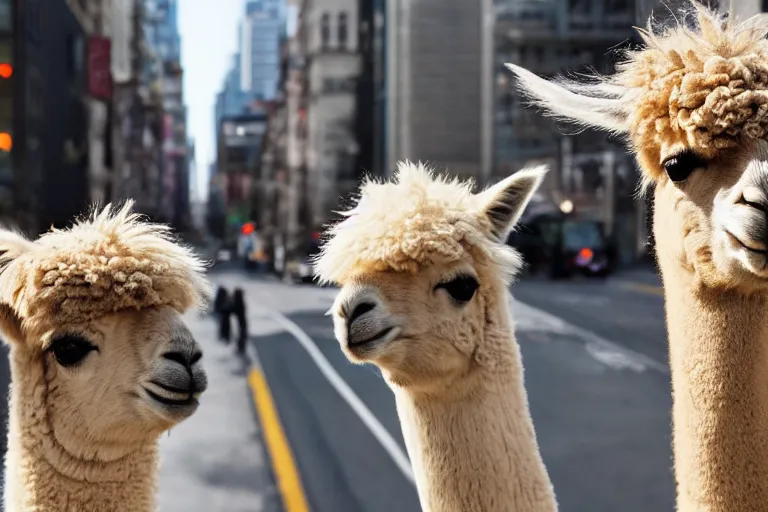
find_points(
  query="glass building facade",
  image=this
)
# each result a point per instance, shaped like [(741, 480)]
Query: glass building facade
[(260, 48)]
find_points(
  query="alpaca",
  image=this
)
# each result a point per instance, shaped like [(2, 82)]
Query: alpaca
[(693, 104), (424, 297), (101, 363)]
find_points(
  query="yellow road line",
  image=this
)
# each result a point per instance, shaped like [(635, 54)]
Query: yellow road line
[(643, 288), (283, 465)]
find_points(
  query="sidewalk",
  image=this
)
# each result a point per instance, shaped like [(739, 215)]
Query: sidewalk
[(216, 461)]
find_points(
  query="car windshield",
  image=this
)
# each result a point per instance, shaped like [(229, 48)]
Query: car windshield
[(577, 235)]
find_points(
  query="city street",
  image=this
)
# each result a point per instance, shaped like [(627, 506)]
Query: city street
[(595, 360)]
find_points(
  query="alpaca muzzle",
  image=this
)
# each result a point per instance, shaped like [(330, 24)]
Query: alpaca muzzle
[(178, 380), (362, 322)]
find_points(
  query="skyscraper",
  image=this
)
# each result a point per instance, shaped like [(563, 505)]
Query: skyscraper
[(260, 50)]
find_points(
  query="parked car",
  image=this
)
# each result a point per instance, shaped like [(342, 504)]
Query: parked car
[(563, 245)]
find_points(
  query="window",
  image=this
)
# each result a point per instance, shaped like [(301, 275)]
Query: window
[(343, 30), (325, 29), (6, 16)]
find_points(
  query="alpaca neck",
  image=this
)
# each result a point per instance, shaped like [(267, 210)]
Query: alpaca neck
[(472, 445), (719, 361), (41, 474)]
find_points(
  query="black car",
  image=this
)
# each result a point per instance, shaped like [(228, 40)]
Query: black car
[(563, 245)]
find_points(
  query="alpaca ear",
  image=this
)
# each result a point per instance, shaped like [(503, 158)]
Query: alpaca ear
[(504, 203), (597, 105), (10, 324), (12, 245)]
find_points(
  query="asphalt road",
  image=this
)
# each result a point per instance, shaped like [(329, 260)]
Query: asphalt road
[(595, 369)]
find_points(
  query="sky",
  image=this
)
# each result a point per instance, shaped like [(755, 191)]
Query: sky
[(208, 42)]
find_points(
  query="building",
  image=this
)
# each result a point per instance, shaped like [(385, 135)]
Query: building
[(328, 40), (260, 35), (437, 83), (587, 168), (232, 99), (371, 88), (163, 38), (45, 78), (239, 144), (8, 113), (284, 210)]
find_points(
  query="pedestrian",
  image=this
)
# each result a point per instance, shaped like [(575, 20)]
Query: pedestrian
[(222, 309), (238, 309), (220, 300)]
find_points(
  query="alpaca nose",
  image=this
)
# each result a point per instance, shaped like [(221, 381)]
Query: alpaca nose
[(359, 310), (363, 319), (357, 305), (184, 368), (185, 358)]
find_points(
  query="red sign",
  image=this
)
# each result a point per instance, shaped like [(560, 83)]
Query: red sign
[(99, 64)]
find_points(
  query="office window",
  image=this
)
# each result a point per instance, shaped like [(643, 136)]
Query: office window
[(343, 30), (325, 29)]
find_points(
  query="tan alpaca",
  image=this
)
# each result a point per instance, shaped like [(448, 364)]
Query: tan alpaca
[(101, 363), (424, 271), (694, 105)]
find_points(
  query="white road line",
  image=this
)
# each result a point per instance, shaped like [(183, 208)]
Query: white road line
[(366, 416), (527, 317)]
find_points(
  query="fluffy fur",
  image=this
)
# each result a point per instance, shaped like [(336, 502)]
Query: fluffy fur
[(455, 368), (108, 263), (700, 86), (416, 220), (83, 438)]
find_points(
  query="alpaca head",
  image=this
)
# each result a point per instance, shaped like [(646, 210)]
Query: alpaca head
[(693, 103), (422, 262), (101, 356)]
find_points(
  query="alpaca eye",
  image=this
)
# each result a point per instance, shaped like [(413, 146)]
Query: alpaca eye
[(680, 166), (70, 350), (461, 289)]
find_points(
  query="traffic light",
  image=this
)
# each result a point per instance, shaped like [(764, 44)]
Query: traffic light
[(6, 70), (6, 142)]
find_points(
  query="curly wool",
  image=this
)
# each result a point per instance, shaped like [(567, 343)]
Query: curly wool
[(417, 220), (110, 262), (709, 85)]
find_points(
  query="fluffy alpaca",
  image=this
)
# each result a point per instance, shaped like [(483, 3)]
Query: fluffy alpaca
[(693, 103), (424, 297), (101, 363)]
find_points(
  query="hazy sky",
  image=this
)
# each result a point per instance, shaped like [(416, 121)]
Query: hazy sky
[(208, 41)]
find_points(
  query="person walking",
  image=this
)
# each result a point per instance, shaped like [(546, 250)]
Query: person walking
[(222, 310), (239, 310)]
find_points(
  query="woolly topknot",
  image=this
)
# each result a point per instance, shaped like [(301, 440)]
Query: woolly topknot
[(416, 220), (708, 83), (702, 81), (106, 263)]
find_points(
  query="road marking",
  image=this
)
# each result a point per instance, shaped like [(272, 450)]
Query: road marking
[(283, 464), (529, 318), (642, 288), (366, 416)]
